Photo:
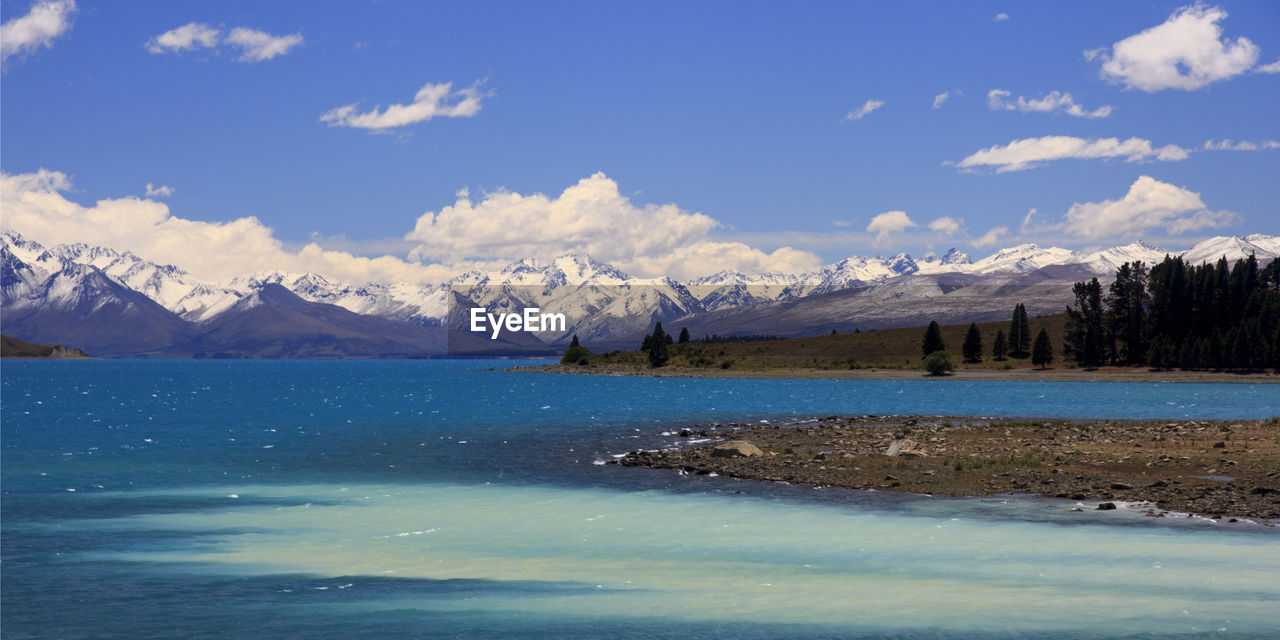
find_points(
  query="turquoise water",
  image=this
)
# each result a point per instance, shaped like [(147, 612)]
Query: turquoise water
[(441, 499)]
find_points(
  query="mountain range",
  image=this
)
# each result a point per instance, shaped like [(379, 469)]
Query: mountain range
[(113, 303)]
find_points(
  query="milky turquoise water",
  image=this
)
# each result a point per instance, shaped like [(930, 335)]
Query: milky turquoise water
[(440, 499)]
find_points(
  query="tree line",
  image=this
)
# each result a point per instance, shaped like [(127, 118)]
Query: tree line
[(1178, 315)]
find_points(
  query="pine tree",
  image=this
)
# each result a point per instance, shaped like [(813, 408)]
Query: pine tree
[(684, 335), (647, 343), (999, 347), (1019, 333), (658, 347), (1085, 333), (576, 353), (1042, 352), (933, 339), (972, 348)]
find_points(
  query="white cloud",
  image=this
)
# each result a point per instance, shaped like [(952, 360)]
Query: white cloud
[(158, 192), (258, 46), (47, 20), (991, 237), (254, 45), (1149, 205), (946, 225), (1053, 101), (429, 102), (1274, 67), (1242, 145), (1185, 52), (1031, 152), (867, 107), (889, 222), (33, 205), (1001, 17), (590, 217), (940, 99), (192, 35), (1026, 221)]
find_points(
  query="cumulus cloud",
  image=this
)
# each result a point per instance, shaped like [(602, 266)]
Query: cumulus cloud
[(941, 99), (1032, 152), (257, 46), (33, 204), (991, 237), (46, 20), (1148, 206), (590, 217), (192, 35), (1186, 51), (158, 192), (889, 222), (946, 225), (431, 101), (1274, 67), (1001, 17), (867, 107), (1241, 145), (1054, 101)]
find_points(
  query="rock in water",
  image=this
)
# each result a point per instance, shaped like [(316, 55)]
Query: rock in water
[(1106, 506), (736, 449)]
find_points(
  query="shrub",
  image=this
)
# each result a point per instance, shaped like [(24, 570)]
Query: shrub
[(939, 362), (576, 354)]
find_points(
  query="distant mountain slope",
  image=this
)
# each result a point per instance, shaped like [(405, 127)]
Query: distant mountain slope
[(116, 303), (14, 348), (80, 305), (273, 322)]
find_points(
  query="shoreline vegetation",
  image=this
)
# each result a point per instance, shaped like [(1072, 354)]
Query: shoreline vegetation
[(1223, 470)]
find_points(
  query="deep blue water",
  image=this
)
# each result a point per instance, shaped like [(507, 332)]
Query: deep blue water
[(444, 499)]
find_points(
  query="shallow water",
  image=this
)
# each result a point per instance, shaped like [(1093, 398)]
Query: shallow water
[(437, 498)]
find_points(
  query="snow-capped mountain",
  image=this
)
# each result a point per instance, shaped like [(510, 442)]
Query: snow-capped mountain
[(950, 261), (1108, 260), (605, 304), (1234, 248), (167, 285)]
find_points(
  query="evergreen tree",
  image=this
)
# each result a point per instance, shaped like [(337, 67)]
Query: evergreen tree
[(647, 343), (1042, 351), (684, 335), (999, 347), (972, 348), (658, 347), (576, 353), (1085, 337), (1019, 333), (933, 339), (1126, 317)]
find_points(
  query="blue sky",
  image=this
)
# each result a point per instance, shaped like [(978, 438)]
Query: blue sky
[(725, 132)]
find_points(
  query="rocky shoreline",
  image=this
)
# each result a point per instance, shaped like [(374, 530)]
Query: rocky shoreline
[(1105, 374), (1225, 470)]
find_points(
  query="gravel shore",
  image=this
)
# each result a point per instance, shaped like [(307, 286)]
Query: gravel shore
[(1219, 469)]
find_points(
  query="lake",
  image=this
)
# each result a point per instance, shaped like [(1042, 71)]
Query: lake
[(341, 499)]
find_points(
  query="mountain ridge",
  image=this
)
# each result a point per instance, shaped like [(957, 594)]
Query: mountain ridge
[(43, 284)]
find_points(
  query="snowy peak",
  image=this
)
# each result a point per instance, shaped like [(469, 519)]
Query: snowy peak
[(1108, 260), (583, 269), (1023, 258), (901, 264), (1233, 248)]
